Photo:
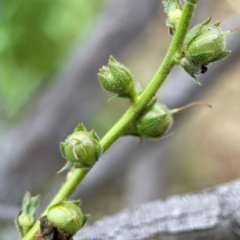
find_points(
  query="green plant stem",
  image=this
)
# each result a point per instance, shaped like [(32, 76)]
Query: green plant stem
[(133, 111), (163, 71)]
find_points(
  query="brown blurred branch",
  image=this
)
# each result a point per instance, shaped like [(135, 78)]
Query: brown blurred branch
[(211, 214)]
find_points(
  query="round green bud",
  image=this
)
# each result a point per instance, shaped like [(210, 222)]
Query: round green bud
[(66, 215), (206, 46), (203, 45), (174, 17), (173, 8), (117, 78), (154, 122), (81, 149)]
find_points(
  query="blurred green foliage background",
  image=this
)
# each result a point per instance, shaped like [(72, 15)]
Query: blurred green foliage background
[(35, 37)]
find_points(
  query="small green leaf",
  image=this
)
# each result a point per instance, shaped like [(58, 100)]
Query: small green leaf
[(67, 166), (62, 148), (93, 133), (195, 80), (207, 21), (26, 217), (77, 202), (217, 24), (86, 217)]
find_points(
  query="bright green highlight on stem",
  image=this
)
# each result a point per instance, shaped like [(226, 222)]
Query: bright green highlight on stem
[(134, 110)]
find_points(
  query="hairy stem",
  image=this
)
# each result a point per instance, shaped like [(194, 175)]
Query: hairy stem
[(115, 132), (158, 79)]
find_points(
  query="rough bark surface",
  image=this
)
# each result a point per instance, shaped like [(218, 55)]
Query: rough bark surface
[(211, 214)]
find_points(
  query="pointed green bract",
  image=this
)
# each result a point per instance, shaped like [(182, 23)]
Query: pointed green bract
[(194, 32), (195, 80), (191, 68), (112, 59), (93, 133), (80, 128), (77, 202), (67, 166), (62, 146), (206, 22), (86, 217), (222, 55), (217, 24)]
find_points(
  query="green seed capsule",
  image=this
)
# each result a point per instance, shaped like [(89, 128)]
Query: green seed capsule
[(203, 45), (117, 78), (68, 216), (81, 149), (155, 122), (62, 221)]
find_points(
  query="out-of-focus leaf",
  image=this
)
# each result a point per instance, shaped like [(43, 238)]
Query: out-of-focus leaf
[(35, 36)]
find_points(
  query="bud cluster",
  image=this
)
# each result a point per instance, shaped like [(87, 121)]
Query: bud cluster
[(81, 149)]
